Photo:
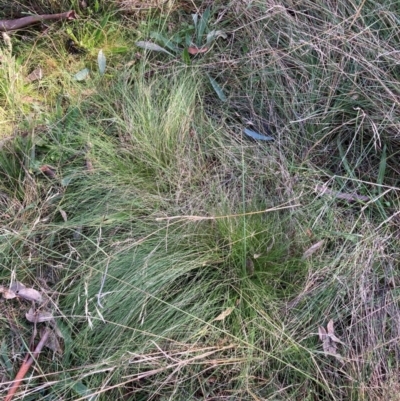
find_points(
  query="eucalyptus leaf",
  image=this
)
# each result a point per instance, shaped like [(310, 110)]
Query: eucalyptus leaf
[(82, 74), (256, 135), (217, 88), (101, 61), (152, 46)]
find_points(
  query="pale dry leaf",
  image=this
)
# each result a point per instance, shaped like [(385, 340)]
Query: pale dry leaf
[(224, 314), (328, 339), (64, 215), (29, 294), (39, 316), (7, 41), (52, 341), (16, 286), (330, 327), (326, 345), (331, 333), (7, 293), (312, 249), (322, 333), (35, 75)]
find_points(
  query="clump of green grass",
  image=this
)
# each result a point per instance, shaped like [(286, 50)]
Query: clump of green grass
[(172, 247)]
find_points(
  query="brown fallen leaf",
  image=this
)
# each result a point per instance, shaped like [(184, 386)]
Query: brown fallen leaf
[(48, 171), (250, 266), (52, 341), (16, 286), (329, 340), (224, 314), (7, 293), (312, 249), (38, 316), (35, 75), (195, 50)]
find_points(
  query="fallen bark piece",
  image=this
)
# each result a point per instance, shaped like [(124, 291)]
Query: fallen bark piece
[(14, 24)]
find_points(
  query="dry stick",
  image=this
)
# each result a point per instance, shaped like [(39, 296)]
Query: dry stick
[(12, 25), (25, 367)]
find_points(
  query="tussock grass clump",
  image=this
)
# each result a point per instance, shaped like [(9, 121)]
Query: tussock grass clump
[(183, 260)]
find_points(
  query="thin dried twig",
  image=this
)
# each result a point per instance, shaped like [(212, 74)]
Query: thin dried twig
[(25, 367), (14, 24), (341, 195), (200, 218)]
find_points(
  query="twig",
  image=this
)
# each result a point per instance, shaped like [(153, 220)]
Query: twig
[(341, 195), (25, 367), (13, 24), (200, 218)]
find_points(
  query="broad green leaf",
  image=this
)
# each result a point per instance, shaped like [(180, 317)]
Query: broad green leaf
[(186, 56), (101, 61), (202, 25), (152, 46), (168, 43), (217, 88)]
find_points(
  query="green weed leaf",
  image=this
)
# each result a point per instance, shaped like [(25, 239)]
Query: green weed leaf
[(217, 88), (152, 47), (202, 25), (186, 56)]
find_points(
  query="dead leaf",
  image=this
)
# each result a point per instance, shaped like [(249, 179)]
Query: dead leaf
[(331, 333), (48, 170), (38, 316), (224, 314), (29, 294), (250, 266), (89, 165), (195, 50), (52, 341), (7, 293), (16, 286), (35, 75), (312, 249), (329, 340), (64, 215)]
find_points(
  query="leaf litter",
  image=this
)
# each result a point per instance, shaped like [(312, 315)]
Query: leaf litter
[(329, 340)]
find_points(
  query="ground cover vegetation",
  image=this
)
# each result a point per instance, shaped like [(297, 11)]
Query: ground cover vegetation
[(206, 197)]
